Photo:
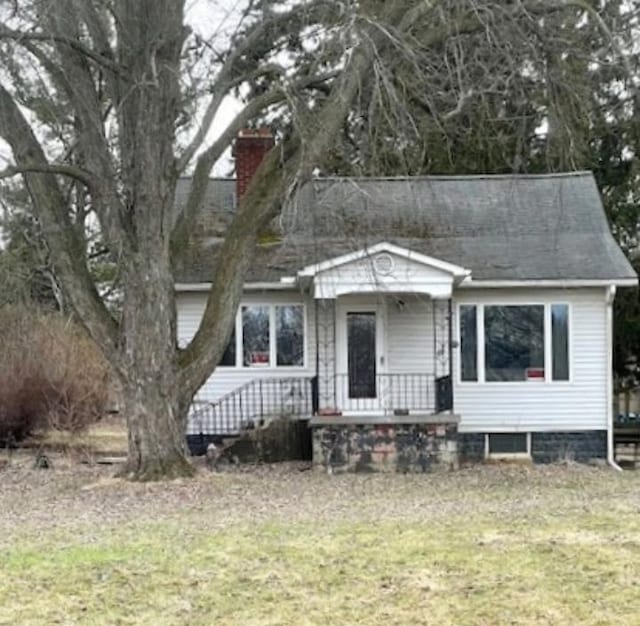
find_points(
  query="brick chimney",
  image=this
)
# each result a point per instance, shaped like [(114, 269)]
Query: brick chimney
[(249, 149)]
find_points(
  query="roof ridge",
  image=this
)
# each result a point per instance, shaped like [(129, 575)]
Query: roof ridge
[(427, 177)]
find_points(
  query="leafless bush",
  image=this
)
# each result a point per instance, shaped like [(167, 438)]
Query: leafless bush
[(51, 374)]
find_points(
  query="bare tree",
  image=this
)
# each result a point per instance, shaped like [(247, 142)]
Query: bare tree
[(97, 99)]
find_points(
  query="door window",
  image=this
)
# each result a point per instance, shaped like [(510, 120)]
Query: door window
[(361, 354)]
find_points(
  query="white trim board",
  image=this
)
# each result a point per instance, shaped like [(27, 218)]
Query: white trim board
[(558, 283), (291, 283)]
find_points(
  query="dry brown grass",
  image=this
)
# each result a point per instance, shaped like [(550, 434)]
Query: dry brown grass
[(107, 437), (275, 545)]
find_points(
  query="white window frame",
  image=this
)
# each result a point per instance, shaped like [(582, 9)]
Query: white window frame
[(548, 356), (273, 349), (511, 456)]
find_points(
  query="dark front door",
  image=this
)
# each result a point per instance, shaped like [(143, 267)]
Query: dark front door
[(361, 354)]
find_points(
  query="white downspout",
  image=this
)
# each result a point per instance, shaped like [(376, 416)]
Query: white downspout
[(610, 294)]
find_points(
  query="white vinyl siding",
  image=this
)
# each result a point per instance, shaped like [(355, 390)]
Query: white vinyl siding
[(577, 404), (409, 335), (410, 350), (226, 379)]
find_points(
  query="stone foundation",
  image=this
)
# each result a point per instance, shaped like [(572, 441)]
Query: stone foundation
[(581, 446), (471, 447), (546, 447), (411, 446)]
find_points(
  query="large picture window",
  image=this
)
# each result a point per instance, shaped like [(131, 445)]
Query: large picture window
[(514, 343)]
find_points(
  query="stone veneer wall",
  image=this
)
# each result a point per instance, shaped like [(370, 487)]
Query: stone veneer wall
[(407, 447), (581, 446), (546, 447)]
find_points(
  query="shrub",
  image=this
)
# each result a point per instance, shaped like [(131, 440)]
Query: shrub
[(51, 374)]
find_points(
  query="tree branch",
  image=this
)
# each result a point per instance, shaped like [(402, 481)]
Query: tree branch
[(66, 249), (229, 75), (70, 171), (207, 159), (69, 42), (283, 170)]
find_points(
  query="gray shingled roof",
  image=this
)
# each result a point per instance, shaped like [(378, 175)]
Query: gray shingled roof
[(500, 227)]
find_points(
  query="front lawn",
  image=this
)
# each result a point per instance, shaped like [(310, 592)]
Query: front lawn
[(275, 545)]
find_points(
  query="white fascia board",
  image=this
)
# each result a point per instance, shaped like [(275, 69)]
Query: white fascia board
[(558, 283), (287, 282), (449, 268)]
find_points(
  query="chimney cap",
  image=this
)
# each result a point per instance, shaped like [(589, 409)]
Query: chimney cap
[(263, 131)]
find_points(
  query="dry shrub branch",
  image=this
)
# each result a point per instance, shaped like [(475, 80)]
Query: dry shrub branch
[(51, 374)]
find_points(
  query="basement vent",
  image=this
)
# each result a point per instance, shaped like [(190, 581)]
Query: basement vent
[(508, 443)]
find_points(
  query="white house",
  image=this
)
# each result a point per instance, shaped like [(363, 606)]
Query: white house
[(421, 320)]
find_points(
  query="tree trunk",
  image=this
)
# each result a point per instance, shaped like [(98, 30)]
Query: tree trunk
[(156, 408), (156, 426)]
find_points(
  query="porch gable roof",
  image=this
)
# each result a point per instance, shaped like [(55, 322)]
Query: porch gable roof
[(457, 272), (382, 268)]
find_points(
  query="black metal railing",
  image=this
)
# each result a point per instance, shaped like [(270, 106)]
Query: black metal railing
[(253, 404), (393, 393), (444, 394)]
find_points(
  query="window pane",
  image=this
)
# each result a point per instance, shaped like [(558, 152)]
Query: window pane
[(229, 356), (255, 336), (514, 343), (560, 341), (507, 443), (468, 343), (290, 335)]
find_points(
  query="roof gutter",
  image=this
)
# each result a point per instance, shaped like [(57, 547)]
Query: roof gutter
[(610, 295), (286, 282), (548, 282)]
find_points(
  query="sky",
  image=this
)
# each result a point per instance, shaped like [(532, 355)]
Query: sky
[(209, 18)]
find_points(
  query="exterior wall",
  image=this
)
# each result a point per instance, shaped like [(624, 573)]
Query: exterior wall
[(406, 448), (225, 379), (417, 342), (410, 335), (577, 405)]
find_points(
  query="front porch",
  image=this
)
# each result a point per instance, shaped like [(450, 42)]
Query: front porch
[(380, 382), (383, 355), (377, 358)]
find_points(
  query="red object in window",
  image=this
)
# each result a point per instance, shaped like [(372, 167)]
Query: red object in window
[(534, 373), (259, 358)]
